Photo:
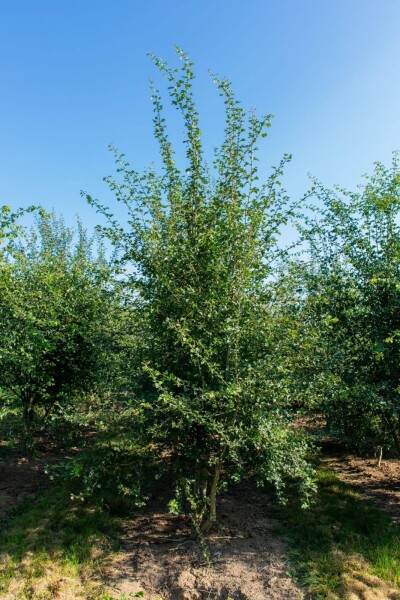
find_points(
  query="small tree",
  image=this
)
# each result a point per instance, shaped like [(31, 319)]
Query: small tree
[(202, 242), (54, 299), (354, 296)]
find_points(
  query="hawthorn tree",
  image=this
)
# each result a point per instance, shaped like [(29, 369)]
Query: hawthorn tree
[(54, 314), (201, 243), (353, 286)]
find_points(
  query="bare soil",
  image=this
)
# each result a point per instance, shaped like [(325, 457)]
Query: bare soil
[(246, 559), (380, 484), (21, 478), (159, 555)]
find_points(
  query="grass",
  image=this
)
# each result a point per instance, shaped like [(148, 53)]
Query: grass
[(51, 544), (341, 542)]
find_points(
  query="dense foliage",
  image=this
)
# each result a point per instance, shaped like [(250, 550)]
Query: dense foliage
[(54, 315), (354, 300)]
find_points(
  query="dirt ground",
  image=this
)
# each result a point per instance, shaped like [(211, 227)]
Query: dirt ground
[(379, 484), (247, 560), (159, 555), (20, 478)]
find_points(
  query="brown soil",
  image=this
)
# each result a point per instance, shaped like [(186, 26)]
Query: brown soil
[(379, 484), (159, 554), (247, 560), (21, 478)]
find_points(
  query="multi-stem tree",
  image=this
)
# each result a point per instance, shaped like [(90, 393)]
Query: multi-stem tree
[(202, 244)]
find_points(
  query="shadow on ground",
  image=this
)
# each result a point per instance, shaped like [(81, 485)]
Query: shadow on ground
[(246, 558)]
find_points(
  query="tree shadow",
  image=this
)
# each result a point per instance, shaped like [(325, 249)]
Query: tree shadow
[(242, 558), (50, 543), (341, 532)]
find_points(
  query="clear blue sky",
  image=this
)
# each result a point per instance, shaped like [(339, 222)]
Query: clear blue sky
[(74, 78)]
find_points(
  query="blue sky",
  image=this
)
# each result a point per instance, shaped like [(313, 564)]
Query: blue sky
[(74, 78)]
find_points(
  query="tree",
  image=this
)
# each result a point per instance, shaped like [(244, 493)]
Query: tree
[(354, 297), (202, 245), (54, 299)]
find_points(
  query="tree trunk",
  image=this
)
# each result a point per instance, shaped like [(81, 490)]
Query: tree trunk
[(212, 517), (28, 412), (201, 480), (379, 453)]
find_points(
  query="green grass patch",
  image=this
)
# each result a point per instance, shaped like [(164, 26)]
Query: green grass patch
[(340, 533), (52, 542)]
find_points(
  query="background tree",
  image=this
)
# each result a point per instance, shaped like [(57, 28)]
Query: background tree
[(353, 286), (54, 315)]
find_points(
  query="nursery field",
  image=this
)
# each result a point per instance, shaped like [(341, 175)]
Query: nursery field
[(201, 399)]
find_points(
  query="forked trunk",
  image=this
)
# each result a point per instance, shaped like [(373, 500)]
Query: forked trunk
[(212, 515)]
